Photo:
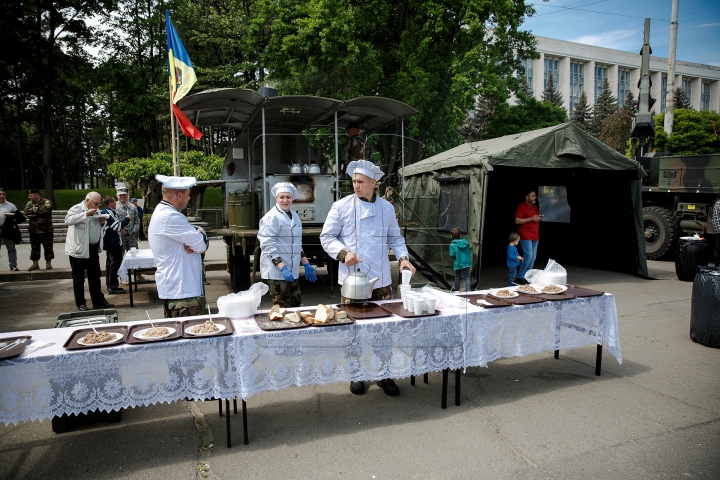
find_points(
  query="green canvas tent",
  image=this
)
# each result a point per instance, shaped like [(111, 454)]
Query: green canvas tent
[(477, 186)]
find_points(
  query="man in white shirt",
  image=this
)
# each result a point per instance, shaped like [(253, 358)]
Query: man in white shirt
[(176, 246), (7, 215)]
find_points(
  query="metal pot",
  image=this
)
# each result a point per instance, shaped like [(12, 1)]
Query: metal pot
[(313, 167), (357, 286), (296, 168)]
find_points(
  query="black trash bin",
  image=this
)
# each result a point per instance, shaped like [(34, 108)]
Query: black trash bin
[(705, 308), (692, 252)]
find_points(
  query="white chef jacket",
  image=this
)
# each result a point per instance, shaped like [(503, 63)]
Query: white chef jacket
[(179, 274), (366, 229), (280, 236)]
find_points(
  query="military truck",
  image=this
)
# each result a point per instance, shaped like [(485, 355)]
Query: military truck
[(678, 196), (302, 139)]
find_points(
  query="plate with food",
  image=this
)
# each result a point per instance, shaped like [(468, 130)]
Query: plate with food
[(100, 338), (553, 289), (503, 293), (154, 333), (205, 329), (530, 289)]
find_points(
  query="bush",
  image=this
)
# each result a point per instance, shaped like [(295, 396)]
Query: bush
[(64, 199)]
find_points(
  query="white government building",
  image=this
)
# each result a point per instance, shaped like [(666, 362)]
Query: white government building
[(577, 67)]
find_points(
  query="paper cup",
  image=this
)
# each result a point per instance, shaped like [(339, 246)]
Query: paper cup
[(418, 306), (430, 302), (406, 274)]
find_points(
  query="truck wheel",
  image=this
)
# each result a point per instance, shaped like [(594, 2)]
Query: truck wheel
[(659, 231)]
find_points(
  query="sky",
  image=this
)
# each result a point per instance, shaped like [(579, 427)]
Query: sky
[(618, 24)]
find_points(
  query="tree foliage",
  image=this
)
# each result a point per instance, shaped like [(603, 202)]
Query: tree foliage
[(581, 113), (524, 117), (617, 127), (551, 94), (693, 133), (681, 99), (605, 106)]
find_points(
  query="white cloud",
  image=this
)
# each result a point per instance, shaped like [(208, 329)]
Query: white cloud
[(617, 39), (708, 25)]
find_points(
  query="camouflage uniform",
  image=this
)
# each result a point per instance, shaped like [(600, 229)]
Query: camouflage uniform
[(285, 294), (40, 228), (185, 307), (129, 240), (382, 293)]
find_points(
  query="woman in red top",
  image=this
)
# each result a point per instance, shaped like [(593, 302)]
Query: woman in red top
[(527, 219)]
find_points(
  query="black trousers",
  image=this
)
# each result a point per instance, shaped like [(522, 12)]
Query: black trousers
[(90, 265), (113, 260)]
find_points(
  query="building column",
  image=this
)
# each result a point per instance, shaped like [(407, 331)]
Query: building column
[(589, 82), (696, 86), (656, 90), (613, 79), (563, 82), (538, 76), (715, 96)]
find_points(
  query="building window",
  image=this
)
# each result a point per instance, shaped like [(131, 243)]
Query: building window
[(551, 66), (577, 80), (687, 86), (623, 86), (663, 93), (601, 73), (705, 96), (527, 64)]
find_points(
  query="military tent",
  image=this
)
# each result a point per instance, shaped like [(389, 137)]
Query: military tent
[(477, 186)]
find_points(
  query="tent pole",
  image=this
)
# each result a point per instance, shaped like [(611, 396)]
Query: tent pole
[(482, 221)]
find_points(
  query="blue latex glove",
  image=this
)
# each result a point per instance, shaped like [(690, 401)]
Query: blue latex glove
[(287, 274), (310, 272)]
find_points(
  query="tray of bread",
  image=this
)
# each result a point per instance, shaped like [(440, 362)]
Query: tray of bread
[(279, 318), (96, 337)]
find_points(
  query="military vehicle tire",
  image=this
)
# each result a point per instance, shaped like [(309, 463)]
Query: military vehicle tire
[(659, 231)]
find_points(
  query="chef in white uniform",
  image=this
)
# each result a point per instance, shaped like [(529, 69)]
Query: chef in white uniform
[(280, 237), (176, 246), (357, 232)]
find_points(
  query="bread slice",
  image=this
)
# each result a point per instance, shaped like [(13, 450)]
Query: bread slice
[(341, 315), (276, 313), (293, 317), (305, 314), (324, 313)]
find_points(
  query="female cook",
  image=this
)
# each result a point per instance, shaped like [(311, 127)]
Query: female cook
[(280, 237)]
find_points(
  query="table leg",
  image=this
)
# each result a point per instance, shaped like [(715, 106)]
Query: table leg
[(425, 377), (245, 429), (557, 354), (235, 405), (227, 421), (220, 407), (457, 387), (598, 360), (130, 284), (443, 402), (412, 380)]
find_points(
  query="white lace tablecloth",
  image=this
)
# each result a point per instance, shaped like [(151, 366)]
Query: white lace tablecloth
[(142, 259), (54, 381)]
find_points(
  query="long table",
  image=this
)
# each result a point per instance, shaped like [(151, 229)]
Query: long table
[(53, 381)]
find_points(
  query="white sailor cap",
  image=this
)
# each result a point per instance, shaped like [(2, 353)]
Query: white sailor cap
[(284, 187), (121, 191), (365, 167), (176, 183)]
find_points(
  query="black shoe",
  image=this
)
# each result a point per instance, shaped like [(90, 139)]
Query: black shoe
[(14, 269), (104, 304), (358, 388), (389, 387), (82, 308), (521, 281), (115, 291)]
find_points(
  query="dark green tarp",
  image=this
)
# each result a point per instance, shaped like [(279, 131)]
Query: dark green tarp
[(603, 191)]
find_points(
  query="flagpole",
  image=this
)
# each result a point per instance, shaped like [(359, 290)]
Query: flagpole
[(172, 130)]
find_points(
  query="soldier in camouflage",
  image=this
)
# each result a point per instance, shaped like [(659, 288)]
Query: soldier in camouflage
[(129, 233), (39, 213)]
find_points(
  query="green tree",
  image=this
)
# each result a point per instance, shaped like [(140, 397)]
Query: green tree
[(531, 115), (581, 112), (551, 94), (605, 106), (475, 125), (681, 99), (617, 127), (693, 133)]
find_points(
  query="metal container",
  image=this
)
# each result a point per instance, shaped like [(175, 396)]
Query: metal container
[(242, 211)]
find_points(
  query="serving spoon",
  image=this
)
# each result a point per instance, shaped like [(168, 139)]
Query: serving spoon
[(151, 322)]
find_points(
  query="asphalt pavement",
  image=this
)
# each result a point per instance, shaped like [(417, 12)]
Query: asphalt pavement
[(655, 416)]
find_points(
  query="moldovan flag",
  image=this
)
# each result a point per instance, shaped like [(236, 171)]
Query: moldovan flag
[(182, 77)]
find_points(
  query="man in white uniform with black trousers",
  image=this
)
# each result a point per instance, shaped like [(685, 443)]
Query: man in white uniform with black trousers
[(358, 229), (176, 246)]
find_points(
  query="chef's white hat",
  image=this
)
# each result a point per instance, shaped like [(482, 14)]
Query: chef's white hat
[(176, 183), (365, 167), (284, 187)]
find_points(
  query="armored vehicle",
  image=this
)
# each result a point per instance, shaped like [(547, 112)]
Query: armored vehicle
[(301, 139), (678, 197)]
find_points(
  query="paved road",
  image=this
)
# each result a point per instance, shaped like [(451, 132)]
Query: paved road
[(655, 416)]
